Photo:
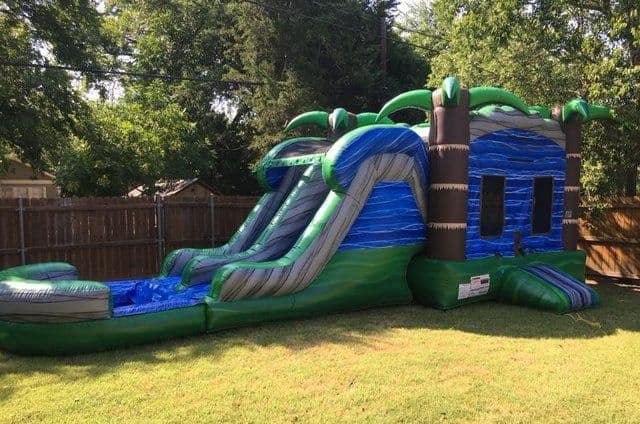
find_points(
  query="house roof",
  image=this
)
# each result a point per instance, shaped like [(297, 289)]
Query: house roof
[(166, 188), (17, 161)]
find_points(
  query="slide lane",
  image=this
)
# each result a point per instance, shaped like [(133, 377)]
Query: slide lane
[(278, 237), (278, 183)]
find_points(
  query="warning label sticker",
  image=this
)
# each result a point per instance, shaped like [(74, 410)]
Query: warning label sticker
[(477, 286)]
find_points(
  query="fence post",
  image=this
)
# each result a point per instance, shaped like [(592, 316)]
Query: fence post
[(211, 206), (23, 259), (159, 223)]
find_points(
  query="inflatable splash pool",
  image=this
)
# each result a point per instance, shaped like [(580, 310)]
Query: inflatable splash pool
[(340, 239)]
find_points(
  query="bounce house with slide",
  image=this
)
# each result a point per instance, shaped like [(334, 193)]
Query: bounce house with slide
[(479, 203)]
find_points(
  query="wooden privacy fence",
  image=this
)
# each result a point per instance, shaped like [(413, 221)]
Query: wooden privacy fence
[(111, 238), (611, 238)]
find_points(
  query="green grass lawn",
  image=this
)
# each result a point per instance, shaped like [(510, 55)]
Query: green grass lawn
[(486, 362)]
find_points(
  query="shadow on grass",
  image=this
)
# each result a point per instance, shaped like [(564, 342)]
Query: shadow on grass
[(619, 311)]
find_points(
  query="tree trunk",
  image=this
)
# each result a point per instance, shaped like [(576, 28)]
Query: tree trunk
[(631, 181)]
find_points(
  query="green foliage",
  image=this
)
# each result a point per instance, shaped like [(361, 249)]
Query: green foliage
[(306, 55), (315, 56), (38, 106), (138, 140), (506, 45), (300, 66), (546, 53), (160, 129)]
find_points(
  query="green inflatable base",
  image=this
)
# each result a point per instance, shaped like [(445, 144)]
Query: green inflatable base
[(520, 287), (352, 280), (446, 284), (98, 335)]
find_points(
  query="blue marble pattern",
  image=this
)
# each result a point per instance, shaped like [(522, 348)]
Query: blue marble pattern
[(520, 156), (390, 217), (376, 141), (134, 297), (274, 176)]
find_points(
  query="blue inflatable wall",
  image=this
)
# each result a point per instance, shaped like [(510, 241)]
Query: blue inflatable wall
[(519, 156)]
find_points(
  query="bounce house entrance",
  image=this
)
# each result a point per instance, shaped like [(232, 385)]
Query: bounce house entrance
[(545, 287)]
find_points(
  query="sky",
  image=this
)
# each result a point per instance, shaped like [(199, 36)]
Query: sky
[(403, 5)]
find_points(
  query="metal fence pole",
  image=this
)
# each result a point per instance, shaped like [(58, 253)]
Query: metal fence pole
[(159, 223), (211, 208), (23, 259)]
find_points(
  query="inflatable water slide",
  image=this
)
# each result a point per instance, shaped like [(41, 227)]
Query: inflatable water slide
[(479, 203), (335, 231)]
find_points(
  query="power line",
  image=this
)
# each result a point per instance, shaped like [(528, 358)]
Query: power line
[(127, 73), (169, 77), (373, 20), (334, 24)]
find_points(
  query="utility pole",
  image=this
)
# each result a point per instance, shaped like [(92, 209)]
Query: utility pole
[(383, 48)]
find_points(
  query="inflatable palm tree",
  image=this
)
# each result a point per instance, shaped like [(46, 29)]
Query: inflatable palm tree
[(336, 123)]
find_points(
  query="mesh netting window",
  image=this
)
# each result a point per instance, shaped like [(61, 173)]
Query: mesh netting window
[(542, 203), (492, 206)]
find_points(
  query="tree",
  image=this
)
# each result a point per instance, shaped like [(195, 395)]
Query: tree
[(612, 39), (38, 106), (138, 140), (297, 54), (186, 39), (315, 55), (547, 52)]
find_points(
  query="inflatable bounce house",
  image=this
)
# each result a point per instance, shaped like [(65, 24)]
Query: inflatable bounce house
[(479, 203)]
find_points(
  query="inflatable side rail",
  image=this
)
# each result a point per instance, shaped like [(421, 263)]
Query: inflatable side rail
[(51, 271), (341, 163), (51, 293), (339, 168)]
